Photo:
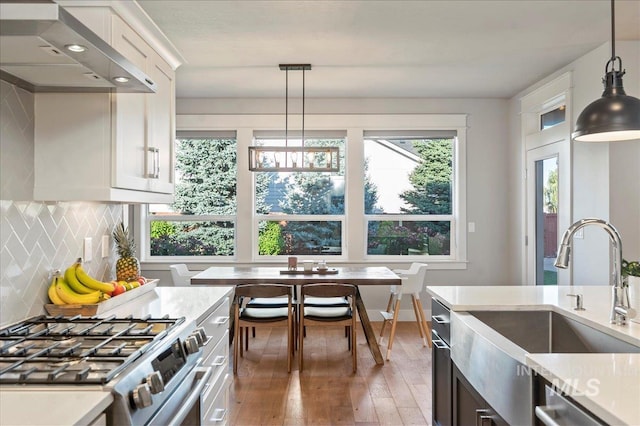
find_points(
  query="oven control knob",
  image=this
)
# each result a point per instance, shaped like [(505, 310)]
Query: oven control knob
[(142, 396), (203, 334), (191, 345), (197, 337), (155, 382)]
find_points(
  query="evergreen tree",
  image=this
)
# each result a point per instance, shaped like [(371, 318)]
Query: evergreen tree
[(431, 179)]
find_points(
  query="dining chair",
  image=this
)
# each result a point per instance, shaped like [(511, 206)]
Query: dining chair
[(262, 314), (413, 281), (181, 275), (315, 312)]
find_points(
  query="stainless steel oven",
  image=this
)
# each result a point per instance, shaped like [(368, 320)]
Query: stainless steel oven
[(152, 366)]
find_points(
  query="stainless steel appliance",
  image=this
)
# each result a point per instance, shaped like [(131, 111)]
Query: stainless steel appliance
[(150, 365), (43, 48)]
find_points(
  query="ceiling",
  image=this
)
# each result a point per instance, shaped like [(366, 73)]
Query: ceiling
[(382, 49)]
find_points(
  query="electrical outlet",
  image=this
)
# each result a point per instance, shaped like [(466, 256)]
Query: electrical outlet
[(87, 250), (105, 246), (472, 227)]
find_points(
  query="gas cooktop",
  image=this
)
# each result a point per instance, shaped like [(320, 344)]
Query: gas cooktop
[(76, 350)]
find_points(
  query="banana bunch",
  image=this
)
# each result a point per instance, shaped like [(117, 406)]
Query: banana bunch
[(78, 287), (83, 283), (61, 293)]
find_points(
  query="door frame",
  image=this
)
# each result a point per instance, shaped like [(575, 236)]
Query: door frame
[(541, 144)]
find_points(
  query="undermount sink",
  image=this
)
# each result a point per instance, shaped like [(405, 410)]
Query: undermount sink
[(550, 332)]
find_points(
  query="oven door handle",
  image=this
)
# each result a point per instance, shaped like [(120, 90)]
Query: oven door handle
[(201, 379)]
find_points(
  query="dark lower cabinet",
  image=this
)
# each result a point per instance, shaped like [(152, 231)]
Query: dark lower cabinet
[(441, 365), (469, 408)]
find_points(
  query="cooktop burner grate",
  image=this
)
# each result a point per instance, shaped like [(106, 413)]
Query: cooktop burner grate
[(76, 350)]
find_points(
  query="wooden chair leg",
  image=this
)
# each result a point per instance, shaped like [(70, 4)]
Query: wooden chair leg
[(394, 322), (417, 310), (425, 324), (416, 313), (301, 343), (246, 338), (253, 332), (289, 344), (235, 348), (354, 346), (384, 322)]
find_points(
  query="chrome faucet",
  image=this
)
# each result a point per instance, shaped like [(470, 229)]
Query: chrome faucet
[(620, 308)]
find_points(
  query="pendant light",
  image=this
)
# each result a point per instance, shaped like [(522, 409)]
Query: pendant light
[(615, 116), (294, 158)]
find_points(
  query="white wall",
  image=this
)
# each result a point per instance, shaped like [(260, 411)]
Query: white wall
[(487, 180), (605, 179)]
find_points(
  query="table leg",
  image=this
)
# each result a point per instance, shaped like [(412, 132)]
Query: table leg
[(368, 330)]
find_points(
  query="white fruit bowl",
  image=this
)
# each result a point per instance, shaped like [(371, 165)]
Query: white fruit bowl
[(98, 308)]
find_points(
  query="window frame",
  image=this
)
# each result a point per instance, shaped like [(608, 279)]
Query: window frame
[(148, 218), (354, 223)]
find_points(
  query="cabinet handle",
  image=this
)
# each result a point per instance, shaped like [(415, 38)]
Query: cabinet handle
[(220, 359), (154, 170), (546, 415), (483, 414), (221, 320), (439, 320), (218, 415), (439, 344)]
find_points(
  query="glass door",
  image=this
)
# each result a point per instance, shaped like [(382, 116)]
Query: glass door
[(547, 212)]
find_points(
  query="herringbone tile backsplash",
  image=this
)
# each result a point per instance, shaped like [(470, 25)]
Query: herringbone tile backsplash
[(37, 237)]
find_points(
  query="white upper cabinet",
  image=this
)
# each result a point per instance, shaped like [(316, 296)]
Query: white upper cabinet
[(109, 146)]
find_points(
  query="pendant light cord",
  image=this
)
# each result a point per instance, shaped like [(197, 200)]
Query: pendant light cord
[(613, 31), (303, 110), (613, 59), (286, 108)]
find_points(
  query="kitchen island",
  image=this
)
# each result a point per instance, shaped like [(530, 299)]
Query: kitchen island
[(73, 405), (605, 384)]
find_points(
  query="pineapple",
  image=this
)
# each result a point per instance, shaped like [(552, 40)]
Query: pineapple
[(127, 266)]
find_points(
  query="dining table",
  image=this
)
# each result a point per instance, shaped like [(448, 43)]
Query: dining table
[(356, 275)]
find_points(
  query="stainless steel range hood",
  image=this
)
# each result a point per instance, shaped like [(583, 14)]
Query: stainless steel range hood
[(34, 53)]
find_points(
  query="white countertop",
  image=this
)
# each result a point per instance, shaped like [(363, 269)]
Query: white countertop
[(606, 384), (51, 408), (37, 405), (596, 301)]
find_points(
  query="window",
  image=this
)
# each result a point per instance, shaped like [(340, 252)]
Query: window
[(408, 199), (201, 220), (300, 213), (399, 195), (553, 117)]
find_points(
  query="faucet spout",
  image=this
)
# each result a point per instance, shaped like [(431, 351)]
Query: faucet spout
[(620, 297)]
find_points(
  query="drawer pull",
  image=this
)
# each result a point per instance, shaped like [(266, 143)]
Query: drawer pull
[(218, 415), (221, 320), (219, 360), (439, 320), (439, 344)]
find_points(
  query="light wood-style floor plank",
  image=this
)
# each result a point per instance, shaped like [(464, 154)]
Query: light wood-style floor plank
[(327, 392)]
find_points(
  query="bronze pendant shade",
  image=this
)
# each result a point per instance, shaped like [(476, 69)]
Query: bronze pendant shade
[(616, 115)]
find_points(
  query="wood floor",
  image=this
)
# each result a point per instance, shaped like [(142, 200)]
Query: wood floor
[(327, 392)]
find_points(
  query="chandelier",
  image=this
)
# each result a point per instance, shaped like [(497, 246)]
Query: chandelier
[(294, 158)]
